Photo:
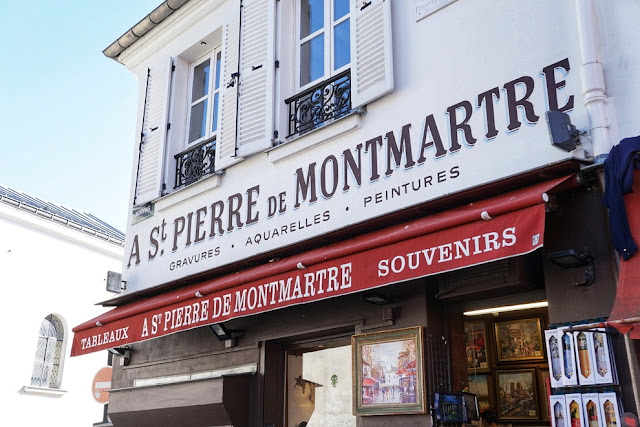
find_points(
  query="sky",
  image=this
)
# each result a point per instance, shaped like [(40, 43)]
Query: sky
[(67, 112)]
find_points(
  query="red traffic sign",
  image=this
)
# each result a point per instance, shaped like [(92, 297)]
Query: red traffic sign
[(101, 385)]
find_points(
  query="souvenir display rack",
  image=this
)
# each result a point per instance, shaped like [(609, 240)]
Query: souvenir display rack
[(582, 375)]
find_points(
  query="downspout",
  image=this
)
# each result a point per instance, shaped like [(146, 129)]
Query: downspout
[(595, 101), (592, 78)]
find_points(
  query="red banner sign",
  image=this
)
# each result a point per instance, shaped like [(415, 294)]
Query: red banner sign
[(515, 233)]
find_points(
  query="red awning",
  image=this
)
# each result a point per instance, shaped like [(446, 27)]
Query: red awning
[(500, 227), (369, 382), (625, 315)]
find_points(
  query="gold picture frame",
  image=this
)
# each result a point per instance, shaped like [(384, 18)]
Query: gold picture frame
[(519, 340), (516, 395), (388, 373)]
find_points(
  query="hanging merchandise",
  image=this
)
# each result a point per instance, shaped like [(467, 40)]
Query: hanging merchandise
[(609, 409), (569, 375), (591, 409), (554, 358), (582, 358), (604, 372), (576, 415), (559, 411), (583, 342)]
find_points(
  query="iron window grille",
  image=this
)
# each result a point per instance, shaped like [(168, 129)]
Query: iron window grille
[(320, 104), (195, 163)]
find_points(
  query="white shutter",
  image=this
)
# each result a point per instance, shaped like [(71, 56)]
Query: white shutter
[(154, 134), (257, 70), (226, 141), (371, 56)]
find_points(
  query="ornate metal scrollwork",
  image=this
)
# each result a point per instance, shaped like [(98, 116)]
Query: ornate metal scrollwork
[(320, 104), (195, 163)]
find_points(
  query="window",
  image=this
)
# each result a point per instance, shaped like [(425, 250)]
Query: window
[(204, 103), (324, 39), (324, 56), (47, 366), (198, 159), (343, 60), (205, 111)]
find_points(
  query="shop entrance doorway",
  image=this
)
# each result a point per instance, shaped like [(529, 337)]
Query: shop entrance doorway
[(319, 387)]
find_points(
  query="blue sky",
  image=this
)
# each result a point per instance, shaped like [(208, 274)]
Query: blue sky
[(67, 112)]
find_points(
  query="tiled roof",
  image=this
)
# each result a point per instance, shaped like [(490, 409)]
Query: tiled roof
[(81, 221)]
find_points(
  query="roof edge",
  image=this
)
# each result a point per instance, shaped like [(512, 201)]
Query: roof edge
[(145, 25), (92, 226)]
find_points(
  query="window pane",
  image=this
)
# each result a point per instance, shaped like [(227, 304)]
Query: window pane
[(214, 125), (217, 77), (40, 374), (198, 121), (340, 8), (311, 16), (312, 60), (50, 351), (200, 81), (341, 53)]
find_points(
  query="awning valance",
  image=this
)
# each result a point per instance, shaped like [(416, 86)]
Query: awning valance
[(500, 227)]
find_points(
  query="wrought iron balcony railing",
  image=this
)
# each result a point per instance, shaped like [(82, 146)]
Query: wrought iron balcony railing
[(320, 104), (195, 163)]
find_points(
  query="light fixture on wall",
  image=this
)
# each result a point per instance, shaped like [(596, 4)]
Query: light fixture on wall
[(501, 309), (222, 332), (115, 284), (572, 259), (123, 352), (563, 134), (378, 298)]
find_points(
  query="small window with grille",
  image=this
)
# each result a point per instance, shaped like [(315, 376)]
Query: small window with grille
[(49, 357), (197, 161)]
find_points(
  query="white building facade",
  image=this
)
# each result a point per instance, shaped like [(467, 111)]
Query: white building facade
[(54, 262), (296, 156)]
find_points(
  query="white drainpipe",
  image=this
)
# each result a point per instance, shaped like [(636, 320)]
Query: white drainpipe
[(592, 78), (595, 101)]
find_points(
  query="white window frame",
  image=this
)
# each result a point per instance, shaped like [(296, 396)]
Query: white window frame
[(56, 345), (214, 76), (329, 30)]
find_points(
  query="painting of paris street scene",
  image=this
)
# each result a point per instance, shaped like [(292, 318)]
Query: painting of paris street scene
[(517, 394), (389, 373), (475, 344)]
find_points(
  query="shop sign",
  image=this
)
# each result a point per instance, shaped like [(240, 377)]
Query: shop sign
[(474, 243), (142, 212), (497, 131)]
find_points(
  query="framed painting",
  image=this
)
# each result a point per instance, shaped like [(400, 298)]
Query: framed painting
[(516, 395), (479, 384), (475, 337), (519, 340), (388, 374), (544, 383)]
